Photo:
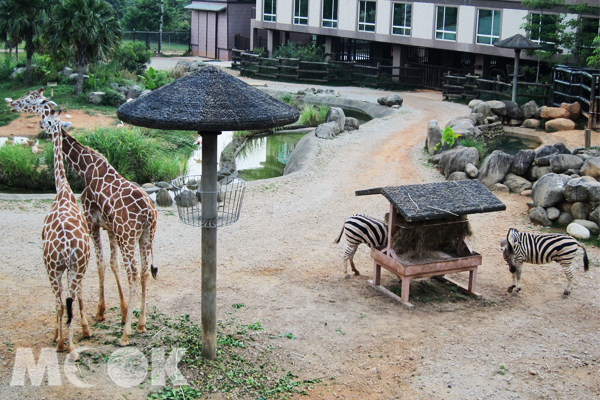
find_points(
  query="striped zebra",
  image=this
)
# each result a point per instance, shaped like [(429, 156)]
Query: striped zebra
[(520, 247), (361, 229)]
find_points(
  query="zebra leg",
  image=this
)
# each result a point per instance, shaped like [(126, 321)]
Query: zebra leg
[(353, 266), (514, 283), (519, 270), (569, 273), (349, 255)]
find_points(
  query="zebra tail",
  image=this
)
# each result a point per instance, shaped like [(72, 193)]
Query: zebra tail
[(340, 236), (586, 262)]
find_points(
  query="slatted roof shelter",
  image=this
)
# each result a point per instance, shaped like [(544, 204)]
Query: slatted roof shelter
[(208, 101), (429, 222), (517, 42)]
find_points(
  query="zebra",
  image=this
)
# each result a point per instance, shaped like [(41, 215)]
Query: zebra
[(520, 247), (360, 229)]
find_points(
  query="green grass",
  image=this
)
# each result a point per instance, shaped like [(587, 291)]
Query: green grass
[(313, 116), (478, 144)]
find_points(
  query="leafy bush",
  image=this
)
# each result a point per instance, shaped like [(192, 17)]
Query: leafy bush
[(288, 99), (478, 144), (19, 168), (133, 56), (6, 66), (448, 136), (154, 79), (308, 52), (112, 98)]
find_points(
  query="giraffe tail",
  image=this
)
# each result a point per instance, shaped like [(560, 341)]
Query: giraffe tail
[(153, 269), (69, 310)]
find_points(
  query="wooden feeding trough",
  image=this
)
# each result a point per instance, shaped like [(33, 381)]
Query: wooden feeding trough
[(427, 232)]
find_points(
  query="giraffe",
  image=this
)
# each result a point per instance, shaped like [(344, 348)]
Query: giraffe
[(66, 243), (110, 202)]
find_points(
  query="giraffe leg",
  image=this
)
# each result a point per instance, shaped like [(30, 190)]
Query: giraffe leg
[(95, 236), (145, 251), (85, 326), (114, 266), (72, 279), (128, 252)]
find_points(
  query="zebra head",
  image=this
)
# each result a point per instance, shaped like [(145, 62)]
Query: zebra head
[(508, 250)]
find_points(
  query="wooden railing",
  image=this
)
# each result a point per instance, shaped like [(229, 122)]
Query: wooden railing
[(570, 84)]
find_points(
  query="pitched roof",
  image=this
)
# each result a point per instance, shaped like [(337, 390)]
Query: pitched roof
[(207, 100)]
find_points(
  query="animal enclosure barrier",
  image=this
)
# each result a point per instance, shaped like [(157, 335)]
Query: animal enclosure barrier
[(427, 232)]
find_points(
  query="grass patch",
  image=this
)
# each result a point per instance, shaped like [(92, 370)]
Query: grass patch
[(479, 144), (245, 366), (313, 116)]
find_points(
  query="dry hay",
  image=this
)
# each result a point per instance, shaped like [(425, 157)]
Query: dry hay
[(417, 239)]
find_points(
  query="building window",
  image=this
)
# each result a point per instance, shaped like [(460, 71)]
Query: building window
[(445, 26), (330, 12), (542, 27), (301, 12), (366, 16), (270, 11), (488, 26), (401, 19)]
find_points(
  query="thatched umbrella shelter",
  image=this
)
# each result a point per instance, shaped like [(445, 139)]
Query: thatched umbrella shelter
[(517, 42), (208, 101)]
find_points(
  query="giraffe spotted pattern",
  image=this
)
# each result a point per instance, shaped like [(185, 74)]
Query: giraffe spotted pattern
[(110, 202), (65, 243)]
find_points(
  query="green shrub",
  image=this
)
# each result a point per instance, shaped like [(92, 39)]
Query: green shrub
[(448, 136), (112, 98), (288, 99), (19, 168), (154, 79), (479, 144), (308, 52), (133, 57), (6, 66), (312, 116)]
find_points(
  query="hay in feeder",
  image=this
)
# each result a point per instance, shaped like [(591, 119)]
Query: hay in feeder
[(417, 239)]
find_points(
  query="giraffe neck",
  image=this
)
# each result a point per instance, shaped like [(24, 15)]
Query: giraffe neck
[(86, 162), (60, 175)]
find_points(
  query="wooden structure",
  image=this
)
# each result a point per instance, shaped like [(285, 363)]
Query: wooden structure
[(431, 202), (571, 84)]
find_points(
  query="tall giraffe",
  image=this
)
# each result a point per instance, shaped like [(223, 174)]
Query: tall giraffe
[(110, 202), (66, 242)]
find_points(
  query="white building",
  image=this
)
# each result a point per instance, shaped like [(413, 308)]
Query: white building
[(451, 33)]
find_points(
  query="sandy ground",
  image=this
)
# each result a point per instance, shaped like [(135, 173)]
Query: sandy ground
[(279, 261)]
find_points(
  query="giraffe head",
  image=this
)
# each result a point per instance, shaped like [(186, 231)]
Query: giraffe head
[(33, 102), (51, 123)]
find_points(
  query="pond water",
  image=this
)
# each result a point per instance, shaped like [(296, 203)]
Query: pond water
[(510, 144)]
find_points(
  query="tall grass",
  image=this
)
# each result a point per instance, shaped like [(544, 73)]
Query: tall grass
[(478, 144), (312, 116), (136, 156), (19, 167)]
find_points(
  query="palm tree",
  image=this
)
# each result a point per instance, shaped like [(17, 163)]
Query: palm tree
[(23, 20), (88, 28)]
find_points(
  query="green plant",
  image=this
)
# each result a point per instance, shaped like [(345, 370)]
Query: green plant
[(154, 79), (112, 98), (312, 116), (93, 83), (288, 99), (448, 136), (133, 57), (550, 129), (479, 144)]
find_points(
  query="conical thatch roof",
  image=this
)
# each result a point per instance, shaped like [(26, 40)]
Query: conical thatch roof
[(207, 100), (518, 41)]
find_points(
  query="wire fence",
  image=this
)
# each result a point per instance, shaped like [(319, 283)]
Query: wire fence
[(176, 42)]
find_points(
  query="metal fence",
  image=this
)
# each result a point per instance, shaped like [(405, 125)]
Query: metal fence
[(171, 41)]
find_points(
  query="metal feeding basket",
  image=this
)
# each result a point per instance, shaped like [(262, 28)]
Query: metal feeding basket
[(189, 197)]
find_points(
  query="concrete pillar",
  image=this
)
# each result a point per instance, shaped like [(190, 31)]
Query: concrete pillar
[(270, 43), (327, 44), (252, 34), (397, 60)]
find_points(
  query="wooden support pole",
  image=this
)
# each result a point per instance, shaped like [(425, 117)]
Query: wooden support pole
[(588, 138), (209, 244)]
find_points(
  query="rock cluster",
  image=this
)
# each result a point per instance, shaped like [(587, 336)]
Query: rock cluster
[(126, 92), (318, 91), (391, 101), (190, 66), (335, 122)]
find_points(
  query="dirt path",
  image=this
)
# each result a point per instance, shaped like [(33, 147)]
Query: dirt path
[(279, 262)]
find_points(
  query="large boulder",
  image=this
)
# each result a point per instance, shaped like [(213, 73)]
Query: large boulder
[(351, 124), (522, 161), (573, 108), (562, 149), (465, 128), (134, 92), (529, 109), (494, 168), (513, 110), (186, 198), (546, 151), (581, 189), (471, 170), (595, 216), (591, 167), (531, 123), (484, 109), (516, 183), (553, 213), (564, 219), (434, 135), (535, 172), (563, 162), (578, 231), (458, 176), (560, 124), (95, 97), (548, 190), (539, 216), (336, 114), (67, 71), (580, 210), (497, 107), (473, 103), (591, 226), (327, 130), (163, 198), (393, 100), (554, 112), (17, 71), (457, 160)]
